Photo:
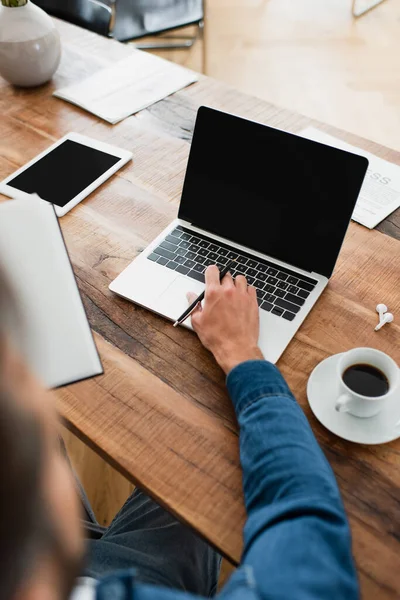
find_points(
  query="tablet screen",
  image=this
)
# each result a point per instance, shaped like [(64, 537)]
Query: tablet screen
[(65, 172)]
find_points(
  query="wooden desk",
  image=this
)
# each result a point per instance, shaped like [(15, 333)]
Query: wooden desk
[(160, 414)]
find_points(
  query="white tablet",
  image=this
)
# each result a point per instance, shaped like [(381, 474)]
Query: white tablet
[(67, 172)]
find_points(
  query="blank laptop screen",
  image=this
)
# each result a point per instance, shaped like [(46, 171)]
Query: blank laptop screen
[(280, 194)]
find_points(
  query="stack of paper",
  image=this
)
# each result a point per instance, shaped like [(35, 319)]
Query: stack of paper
[(380, 193), (127, 86)]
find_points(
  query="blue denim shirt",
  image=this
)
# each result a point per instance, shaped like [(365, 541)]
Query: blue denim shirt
[(297, 543)]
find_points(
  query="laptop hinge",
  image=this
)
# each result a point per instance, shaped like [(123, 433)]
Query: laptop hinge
[(249, 249)]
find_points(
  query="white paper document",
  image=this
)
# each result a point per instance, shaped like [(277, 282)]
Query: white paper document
[(380, 192), (127, 86)]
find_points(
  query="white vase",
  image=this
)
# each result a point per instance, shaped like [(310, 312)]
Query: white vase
[(30, 48)]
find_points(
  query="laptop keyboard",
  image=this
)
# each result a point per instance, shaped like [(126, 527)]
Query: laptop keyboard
[(279, 290)]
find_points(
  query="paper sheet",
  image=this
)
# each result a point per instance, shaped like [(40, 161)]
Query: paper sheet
[(127, 86), (380, 192)]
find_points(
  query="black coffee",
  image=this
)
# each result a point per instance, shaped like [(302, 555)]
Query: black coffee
[(366, 380)]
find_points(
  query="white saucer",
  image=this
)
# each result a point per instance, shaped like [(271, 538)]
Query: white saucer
[(322, 393)]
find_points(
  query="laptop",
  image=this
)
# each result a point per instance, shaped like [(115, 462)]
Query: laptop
[(48, 322), (276, 203)]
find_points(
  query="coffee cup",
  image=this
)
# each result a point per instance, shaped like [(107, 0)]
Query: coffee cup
[(367, 379)]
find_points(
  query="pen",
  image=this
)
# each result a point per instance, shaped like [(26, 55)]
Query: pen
[(191, 308)]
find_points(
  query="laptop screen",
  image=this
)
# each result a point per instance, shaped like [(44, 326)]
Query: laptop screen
[(272, 191)]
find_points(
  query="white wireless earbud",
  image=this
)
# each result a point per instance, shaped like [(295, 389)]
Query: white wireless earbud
[(386, 318), (381, 309)]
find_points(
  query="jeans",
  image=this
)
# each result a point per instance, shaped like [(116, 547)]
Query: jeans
[(145, 537)]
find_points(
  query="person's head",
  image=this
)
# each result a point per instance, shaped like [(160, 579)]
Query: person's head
[(41, 544)]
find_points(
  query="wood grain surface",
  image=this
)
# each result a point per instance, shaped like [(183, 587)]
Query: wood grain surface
[(160, 413)]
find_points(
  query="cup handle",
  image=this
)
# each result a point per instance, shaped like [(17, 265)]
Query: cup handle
[(343, 403)]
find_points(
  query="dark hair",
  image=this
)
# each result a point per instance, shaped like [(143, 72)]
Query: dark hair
[(27, 529), (21, 524), (21, 507)]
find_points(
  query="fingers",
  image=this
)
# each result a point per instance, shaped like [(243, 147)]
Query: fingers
[(241, 283), (252, 292), (212, 281), (243, 286), (227, 281), (212, 276)]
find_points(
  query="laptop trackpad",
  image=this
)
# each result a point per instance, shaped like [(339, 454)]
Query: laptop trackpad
[(173, 301)]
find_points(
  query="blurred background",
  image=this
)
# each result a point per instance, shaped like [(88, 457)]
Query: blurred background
[(311, 56)]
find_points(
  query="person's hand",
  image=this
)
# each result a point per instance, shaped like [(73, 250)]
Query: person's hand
[(228, 322)]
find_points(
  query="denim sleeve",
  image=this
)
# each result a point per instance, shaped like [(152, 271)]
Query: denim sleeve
[(297, 543)]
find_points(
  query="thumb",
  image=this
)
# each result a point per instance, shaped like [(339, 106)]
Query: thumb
[(197, 311), (191, 297)]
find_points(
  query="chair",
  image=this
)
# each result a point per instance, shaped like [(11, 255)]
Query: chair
[(90, 14), (128, 20), (140, 18)]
